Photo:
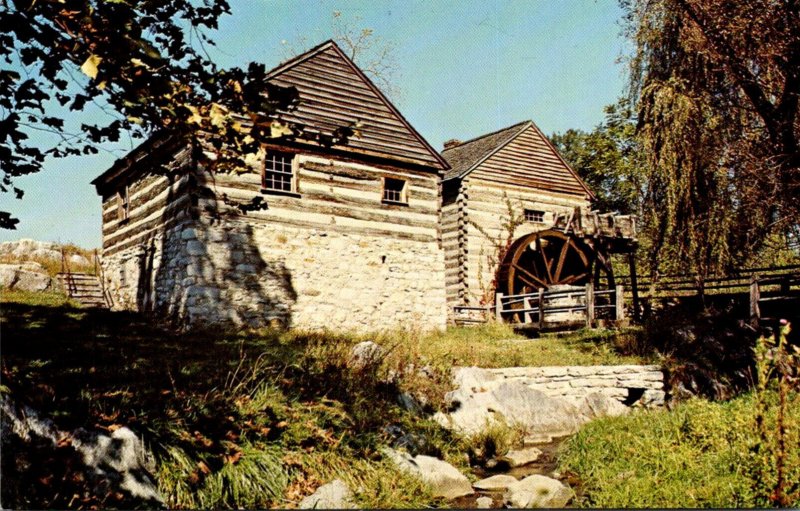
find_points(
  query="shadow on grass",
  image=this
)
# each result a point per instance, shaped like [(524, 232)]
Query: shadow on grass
[(212, 395)]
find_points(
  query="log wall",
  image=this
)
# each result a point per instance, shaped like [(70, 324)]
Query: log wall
[(484, 211), (329, 255)]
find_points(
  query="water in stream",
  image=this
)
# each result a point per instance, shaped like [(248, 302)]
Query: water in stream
[(544, 465)]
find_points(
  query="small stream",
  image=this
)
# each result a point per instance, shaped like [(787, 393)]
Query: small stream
[(545, 465)]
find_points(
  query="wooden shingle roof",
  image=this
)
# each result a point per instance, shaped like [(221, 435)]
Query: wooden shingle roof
[(519, 155), (335, 93)]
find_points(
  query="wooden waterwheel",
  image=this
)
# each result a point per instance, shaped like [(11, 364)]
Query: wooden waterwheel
[(544, 259)]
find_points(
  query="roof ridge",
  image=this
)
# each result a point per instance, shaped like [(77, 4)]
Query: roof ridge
[(479, 137), (293, 61), (330, 43)]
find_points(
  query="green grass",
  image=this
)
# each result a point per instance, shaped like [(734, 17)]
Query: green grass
[(41, 299), (697, 455), (496, 345), (254, 419)]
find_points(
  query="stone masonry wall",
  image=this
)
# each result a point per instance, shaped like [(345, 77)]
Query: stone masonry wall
[(641, 385), (262, 274)]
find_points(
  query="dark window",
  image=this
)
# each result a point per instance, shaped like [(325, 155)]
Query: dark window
[(278, 173), (123, 203), (534, 215), (394, 190)]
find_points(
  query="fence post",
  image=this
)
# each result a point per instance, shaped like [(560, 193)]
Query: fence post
[(755, 295), (589, 305), (541, 308), (634, 285), (526, 302), (498, 307), (619, 303)]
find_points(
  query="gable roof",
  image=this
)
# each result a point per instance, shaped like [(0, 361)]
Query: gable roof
[(467, 155), (335, 93), (520, 153)]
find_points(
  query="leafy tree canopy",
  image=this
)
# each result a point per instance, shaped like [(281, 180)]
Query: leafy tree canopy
[(608, 158), (718, 87), (142, 61)]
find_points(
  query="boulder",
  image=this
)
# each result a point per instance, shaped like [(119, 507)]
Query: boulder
[(537, 491), (79, 260), (21, 277), (495, 483), (484, 503), (103, 465), (334, 495), (482, 399), (364, 354), (521, 457), (28, 248), (444, 479), (596, 405)]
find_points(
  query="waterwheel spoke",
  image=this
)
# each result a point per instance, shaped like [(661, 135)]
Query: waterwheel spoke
[(580, 253), (535, 282), (561, 258), (546, 264), (573, 278)]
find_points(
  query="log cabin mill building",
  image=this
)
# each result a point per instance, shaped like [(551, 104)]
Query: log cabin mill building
[(350, 236), (511, 175)]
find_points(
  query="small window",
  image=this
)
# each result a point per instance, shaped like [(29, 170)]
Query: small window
[(534, 215), (278, 172), (123, 203), (394, 190)]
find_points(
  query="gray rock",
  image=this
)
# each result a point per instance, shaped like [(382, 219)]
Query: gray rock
[(494, 483), (17, 277), (596, 405), (483, 402), (537, 491), (408, 402), (364, 354), (334, 495), (118, 462), (444, 479), (484, 503), (28, 248), (518, 458)]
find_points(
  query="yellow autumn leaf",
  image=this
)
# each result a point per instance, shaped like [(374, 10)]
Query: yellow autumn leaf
[(89, 68), (278, 129), (217, 115), (195, 118)]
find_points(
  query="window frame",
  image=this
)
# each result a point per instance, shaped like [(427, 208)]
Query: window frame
[(402, 194), (292, 165), (123, 203), (534, 216)]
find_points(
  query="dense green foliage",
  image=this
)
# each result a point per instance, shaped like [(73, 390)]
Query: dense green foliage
[(608, 158), (698, 455)]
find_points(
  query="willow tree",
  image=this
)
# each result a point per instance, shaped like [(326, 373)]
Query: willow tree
[(717, 84)]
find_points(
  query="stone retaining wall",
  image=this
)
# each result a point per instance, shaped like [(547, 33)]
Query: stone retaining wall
[(639, 385)]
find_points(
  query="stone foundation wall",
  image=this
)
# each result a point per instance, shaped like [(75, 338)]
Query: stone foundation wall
[(257, 274), (641, 385)]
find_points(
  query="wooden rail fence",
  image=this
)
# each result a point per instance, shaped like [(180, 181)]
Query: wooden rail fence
[(570, 306), (776, 283)]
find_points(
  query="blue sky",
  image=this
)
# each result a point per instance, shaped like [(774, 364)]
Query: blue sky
[(464, 68)]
